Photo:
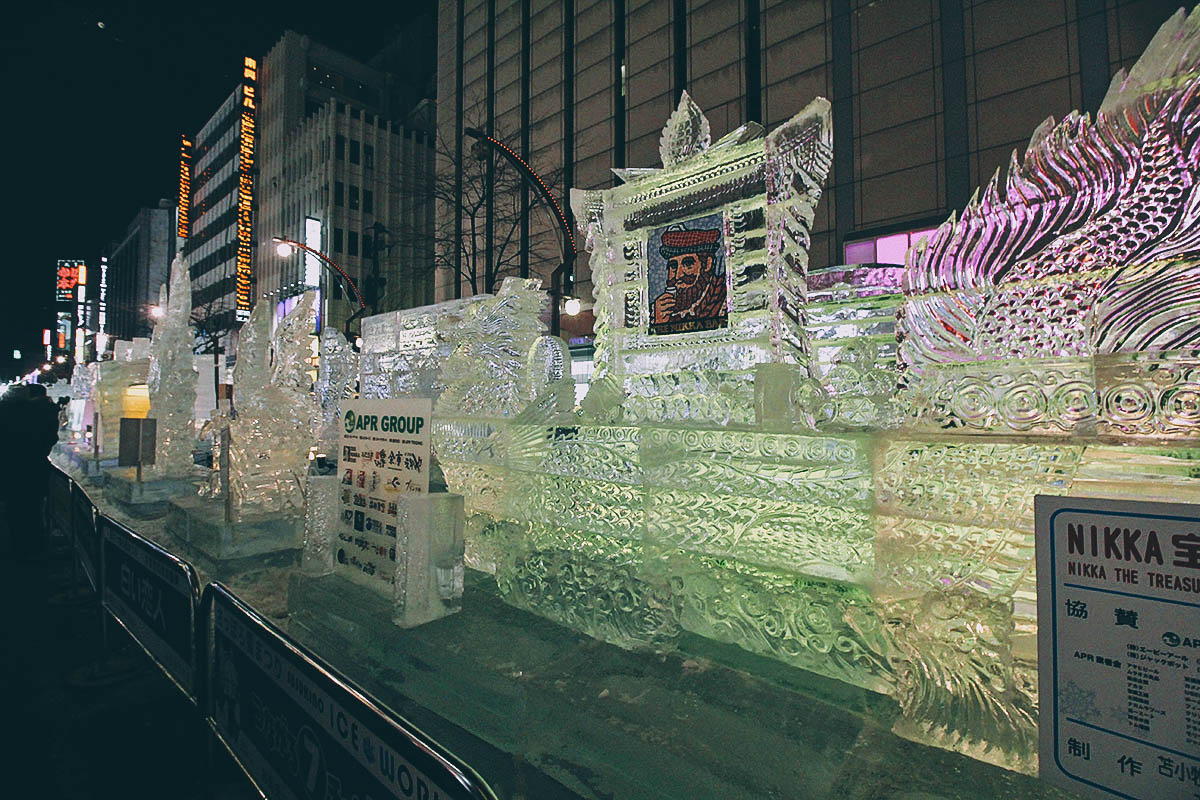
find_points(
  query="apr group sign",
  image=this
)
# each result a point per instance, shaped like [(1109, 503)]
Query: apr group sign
[(384, 458), (1119, 647)]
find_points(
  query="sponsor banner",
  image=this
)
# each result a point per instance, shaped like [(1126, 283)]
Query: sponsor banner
[(385, 454), (1119, 647)]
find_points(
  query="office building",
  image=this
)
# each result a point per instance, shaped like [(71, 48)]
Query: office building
[(215, 223), (137, 267), (341, 174), (929, 98)]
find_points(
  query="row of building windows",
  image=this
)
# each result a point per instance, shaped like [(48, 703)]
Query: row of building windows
[(347, 242), (367, 158), (340, 198), (218, 225)]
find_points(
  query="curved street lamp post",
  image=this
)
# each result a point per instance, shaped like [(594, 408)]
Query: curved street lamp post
[(284, 246)]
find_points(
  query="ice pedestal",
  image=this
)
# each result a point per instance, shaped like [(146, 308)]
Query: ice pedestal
[(425, 579), (146, 499), (222, 548), (429, 559)]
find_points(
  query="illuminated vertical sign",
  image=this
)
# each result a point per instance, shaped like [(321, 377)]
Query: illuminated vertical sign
[(64, 330), (102, 306), (245, 201), (184, 224), (67, 279), (312, 265)]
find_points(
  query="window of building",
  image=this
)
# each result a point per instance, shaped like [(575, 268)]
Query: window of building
[(341, 108), (368, 201), (353, 248), (339, 148), (337, 240), (339, 193), (889, 249), (354, 151), (354, 113), (354, 197), (368, 243), (368, 156)]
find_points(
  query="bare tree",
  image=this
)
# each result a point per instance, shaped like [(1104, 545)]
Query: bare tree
[(213, 322), (468, 257)]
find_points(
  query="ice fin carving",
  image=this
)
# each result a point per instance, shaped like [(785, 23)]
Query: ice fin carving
[(271, 433), (172, 379), (1093, 245), (491, 371), (686, 133)]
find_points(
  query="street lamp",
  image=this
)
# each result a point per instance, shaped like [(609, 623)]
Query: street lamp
[(285, 247), (156, 312), (573, 306)]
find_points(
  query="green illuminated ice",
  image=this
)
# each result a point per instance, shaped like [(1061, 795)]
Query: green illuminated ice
[(836, 468)]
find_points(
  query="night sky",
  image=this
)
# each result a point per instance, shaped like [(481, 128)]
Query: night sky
[(93, 117)]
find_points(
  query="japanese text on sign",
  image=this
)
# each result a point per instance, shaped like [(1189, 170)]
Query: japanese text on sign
[(1118, 646)]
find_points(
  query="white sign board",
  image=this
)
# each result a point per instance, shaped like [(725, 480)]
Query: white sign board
[(384, 455), (1119, 647)]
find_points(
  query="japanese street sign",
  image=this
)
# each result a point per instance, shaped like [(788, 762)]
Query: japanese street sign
[(1119, 647), (153, 594), (302, 731)]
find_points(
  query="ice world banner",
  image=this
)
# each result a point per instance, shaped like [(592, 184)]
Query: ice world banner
[(302, 731), (1119, 646), (384, 455)]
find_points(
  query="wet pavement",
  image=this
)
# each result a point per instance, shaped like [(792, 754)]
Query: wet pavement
[(90, 719)]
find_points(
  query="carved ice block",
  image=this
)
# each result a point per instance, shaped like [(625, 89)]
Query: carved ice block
[(429, 559), (699, 268), (320, 524)]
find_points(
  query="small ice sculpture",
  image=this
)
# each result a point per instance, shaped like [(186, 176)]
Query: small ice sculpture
[(271, 431), (172, 377), (403, 351), (337, 376), (501, 360)]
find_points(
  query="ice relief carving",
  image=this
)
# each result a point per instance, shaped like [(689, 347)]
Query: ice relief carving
[(337, 377)]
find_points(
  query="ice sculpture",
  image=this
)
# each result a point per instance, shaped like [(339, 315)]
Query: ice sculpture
[(403, 351), (337, 377), (172, 377), (82, 378), (1084, 256), (703, 266), (119, 390), (271, 431), (757, 461), (1060, 306)]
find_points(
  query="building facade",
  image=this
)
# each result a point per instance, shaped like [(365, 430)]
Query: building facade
[(137, 267), (342, 175), (215, 221), (930, 97)]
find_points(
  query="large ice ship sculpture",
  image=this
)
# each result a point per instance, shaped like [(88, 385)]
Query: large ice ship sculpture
[(761, 461)]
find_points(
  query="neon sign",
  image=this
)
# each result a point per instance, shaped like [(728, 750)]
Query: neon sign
[(184, 225), (70, 275), (245, 196)]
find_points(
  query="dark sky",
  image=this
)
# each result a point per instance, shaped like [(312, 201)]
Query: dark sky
[(93, 116)]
